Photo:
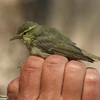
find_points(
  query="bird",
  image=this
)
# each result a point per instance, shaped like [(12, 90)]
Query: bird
[(44, 41)]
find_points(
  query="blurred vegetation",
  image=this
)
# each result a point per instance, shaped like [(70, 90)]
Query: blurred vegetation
[(79, 19)]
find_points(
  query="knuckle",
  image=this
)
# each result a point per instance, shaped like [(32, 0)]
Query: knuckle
[(76, 66), (92, 78), (11, 87), (33, 62), (56, 59)]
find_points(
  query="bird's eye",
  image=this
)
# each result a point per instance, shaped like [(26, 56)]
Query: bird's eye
[(24, 33)]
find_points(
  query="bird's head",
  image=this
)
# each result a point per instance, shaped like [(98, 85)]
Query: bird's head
[(25, 32)]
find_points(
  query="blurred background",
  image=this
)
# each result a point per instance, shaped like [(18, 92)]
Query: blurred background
[(79, 19)]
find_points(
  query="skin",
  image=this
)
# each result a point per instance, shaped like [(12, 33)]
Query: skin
[(55, 79)]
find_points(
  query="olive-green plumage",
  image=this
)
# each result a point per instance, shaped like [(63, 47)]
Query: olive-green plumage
[(44, 41)]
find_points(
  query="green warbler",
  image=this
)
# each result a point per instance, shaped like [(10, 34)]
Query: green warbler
[(44, 41)]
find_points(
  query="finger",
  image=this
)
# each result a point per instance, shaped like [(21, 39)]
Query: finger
[(91, 85), (30, 79), (12, 89), (52, 77), (73, 80)]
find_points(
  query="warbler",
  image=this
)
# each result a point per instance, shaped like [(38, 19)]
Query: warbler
[(44, 41)]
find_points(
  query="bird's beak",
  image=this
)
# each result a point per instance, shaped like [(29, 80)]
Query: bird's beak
[(15, 37)]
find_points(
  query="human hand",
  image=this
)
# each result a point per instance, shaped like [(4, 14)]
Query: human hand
[(55, 79)]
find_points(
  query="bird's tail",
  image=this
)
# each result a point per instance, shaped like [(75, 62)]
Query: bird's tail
[(95, 58)]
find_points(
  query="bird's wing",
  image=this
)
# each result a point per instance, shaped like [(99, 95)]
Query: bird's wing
[(53, 45), (54, 33), (61, 36)]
